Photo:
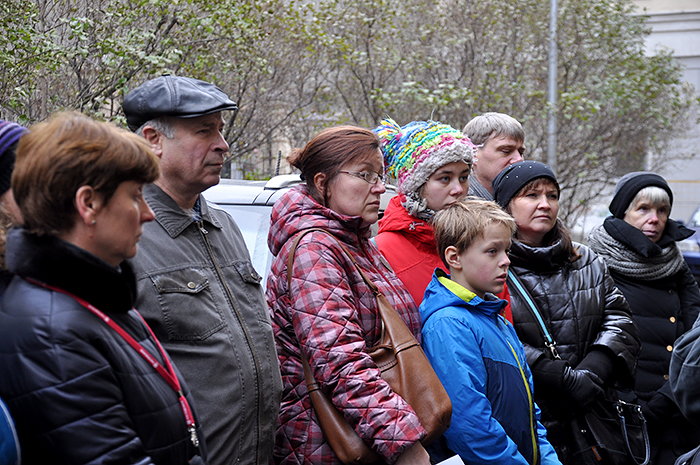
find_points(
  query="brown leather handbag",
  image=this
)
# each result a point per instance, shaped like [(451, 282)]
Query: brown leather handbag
[(403, 365)]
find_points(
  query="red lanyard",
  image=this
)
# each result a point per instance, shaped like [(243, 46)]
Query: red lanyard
[(167, 372)]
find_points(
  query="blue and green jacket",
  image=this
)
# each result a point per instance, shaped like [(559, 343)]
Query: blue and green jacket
[(480, 361)]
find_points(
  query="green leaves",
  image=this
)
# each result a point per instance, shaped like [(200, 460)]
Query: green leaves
[(296, 66)]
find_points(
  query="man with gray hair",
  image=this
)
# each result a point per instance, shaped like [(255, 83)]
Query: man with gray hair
[(499, 139), (197, 288)]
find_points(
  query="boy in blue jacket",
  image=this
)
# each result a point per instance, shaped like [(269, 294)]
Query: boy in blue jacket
[(473, 349)]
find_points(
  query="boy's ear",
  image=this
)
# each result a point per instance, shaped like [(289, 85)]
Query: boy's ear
[(452, 257)]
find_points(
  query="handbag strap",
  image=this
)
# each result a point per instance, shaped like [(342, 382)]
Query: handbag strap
[(549, 342), (290, 259), (311, 384), (623, 426)]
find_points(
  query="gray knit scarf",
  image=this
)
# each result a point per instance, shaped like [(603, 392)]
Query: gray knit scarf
[(627, 262), (417, 206)]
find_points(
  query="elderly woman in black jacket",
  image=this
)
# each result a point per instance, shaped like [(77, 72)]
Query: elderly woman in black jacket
[(81, 372), (638, 243), (585, 313)]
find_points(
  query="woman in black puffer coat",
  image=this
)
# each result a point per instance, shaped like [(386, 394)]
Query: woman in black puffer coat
[(78, 391), (638, 243), (585, 313)]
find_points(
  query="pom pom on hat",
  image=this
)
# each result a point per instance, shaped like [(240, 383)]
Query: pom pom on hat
[(414, 152)]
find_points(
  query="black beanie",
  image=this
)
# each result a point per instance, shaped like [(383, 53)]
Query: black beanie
[(629, 186), (513, 178)]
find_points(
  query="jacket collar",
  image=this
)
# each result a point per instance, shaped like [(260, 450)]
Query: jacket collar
[(296, 210), (548, 258), (633, 238), (58, 263), (169, 214), (476, 189), (443, 292), (397, 219)]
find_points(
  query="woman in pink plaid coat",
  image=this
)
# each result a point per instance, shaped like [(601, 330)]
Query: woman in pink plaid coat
[(329, 312)]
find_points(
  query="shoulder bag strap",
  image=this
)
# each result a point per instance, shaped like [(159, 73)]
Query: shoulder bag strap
[(290, 258), (514, 283), (310, 380), (343, 439)]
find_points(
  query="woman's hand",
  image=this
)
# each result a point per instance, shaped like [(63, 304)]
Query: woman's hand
[(582, 385), (416, 454)]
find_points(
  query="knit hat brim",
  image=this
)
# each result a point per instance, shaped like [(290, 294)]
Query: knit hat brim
[(514, 177), (629, 186)]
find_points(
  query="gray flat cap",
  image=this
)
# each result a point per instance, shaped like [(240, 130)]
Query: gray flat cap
[(178, 96)]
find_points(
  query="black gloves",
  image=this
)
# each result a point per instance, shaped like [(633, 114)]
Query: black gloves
[(599, 362), (582, 385)]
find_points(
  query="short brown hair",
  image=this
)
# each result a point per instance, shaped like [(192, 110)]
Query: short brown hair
[(71, 150), (329, 151), (460, 224)]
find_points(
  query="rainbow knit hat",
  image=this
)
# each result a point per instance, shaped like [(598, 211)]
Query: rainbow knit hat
[(413, 152)]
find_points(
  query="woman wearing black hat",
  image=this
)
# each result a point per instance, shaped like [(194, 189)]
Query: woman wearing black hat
[(638, 243), (587, 316)]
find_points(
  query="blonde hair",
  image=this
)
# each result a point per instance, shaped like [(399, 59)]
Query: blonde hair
[(652, 194), (462, 223)]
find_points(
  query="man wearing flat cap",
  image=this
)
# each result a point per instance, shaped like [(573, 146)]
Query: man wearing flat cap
[(197, 287)]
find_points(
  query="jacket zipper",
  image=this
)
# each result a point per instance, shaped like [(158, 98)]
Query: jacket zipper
[(249, 339), (533, 429)]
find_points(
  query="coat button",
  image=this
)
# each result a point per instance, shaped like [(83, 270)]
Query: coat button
[(191, 285), (666, 377), (670, 291), (673, 319), (669, 348)]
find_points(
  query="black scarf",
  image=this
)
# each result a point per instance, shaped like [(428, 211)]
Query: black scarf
[(53, 261)]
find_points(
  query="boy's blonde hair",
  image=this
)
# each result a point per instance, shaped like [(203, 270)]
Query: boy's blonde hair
[(463, 222)]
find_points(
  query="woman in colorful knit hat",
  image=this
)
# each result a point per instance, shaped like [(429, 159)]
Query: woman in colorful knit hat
[(431, 162)]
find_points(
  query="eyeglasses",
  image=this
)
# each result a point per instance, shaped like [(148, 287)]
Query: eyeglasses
[(370, 176)]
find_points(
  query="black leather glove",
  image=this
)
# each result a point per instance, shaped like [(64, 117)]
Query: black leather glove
[(582, 385)]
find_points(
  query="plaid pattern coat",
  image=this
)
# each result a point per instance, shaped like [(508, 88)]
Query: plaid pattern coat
[(332, 315)]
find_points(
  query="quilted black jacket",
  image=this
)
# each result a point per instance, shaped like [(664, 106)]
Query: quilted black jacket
[(584, 312), (663, 309), (78, 392)]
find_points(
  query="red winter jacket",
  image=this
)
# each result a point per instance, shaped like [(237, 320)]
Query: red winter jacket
[(333, 316), (408, 243)]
